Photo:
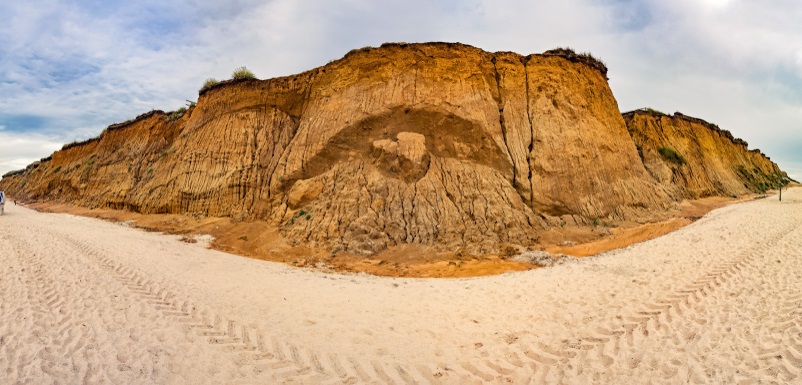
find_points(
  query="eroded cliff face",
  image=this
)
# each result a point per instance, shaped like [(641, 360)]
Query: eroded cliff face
[(709, 161), (438, 144)]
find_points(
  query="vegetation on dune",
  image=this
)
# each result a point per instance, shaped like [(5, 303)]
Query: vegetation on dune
[(88, 167), (79, 143), (646, 110), (679, 115), (209, 83), (13, 173), (175, 115), (756, 180), (671, 155), (584, 58), (242, 73)]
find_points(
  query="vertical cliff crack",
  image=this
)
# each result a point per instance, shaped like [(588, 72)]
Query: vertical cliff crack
[(501, 122), (337, 210), (525, 61), (414, 87), (412, 213), (307, 98)]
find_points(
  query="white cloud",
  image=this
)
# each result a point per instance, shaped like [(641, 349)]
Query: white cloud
[(793, 168), (714, 5), (732, 62), (20, 150)]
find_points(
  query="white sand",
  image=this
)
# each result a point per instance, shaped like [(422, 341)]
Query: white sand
[(86, 301)]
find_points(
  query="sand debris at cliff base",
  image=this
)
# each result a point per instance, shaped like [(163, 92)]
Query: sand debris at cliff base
[(87, 301), (258, 239)]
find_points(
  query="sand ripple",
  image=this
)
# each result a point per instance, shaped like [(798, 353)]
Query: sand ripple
[(90, 302)]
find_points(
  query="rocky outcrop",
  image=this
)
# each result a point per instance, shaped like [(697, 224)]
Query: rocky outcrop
[(692, 158), (437, 144)]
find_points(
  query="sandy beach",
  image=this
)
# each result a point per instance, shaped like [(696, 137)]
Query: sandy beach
[(85, 301)]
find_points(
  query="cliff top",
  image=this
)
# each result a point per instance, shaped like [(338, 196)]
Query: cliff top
[(566, 53), (678, 115), (387, 48)]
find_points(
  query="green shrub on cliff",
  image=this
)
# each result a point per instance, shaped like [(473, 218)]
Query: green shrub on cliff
[(13, 173), (242, 73), (175, 115), (654, 111), (209, 83), (671, 155), (584, 57)]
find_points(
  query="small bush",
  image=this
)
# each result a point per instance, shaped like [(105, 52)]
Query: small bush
[(57, 169), (208, 84), (88, 168), (653, 111), (242, 73), (167, 152), (13, 173), (175, 115), (741, 142), (81, 143), (671, 155), (584, 57)]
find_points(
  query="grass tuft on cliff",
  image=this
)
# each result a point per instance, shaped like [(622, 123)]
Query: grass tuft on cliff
[(242, 73), (13, 173), (175, 115), (672, 155), (584, 58), (653, 111), (210, 82)]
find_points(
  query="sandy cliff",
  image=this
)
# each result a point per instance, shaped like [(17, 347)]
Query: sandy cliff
[(438, 144), (692, 158)]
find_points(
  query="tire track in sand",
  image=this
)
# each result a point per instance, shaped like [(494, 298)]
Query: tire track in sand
[(581, 360), (66, 346), (586, 358), (260, 353)]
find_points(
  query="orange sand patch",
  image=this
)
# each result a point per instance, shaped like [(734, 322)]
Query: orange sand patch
[(258, 239), (690, 211)]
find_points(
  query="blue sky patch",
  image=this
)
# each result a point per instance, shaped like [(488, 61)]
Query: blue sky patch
[(23, 123)]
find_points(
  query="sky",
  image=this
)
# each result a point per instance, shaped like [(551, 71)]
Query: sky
[(68, 69)]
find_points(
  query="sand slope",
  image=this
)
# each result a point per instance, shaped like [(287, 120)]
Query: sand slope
[(86, 301)]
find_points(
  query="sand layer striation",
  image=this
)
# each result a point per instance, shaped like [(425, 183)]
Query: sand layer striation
[(441, 145)]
